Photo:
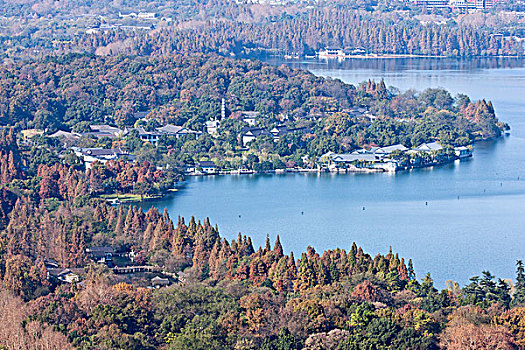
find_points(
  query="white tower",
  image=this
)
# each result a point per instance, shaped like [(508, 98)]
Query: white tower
[(223, 109)]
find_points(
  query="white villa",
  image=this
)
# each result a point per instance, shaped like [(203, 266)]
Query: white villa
[(212, 126), (92, 155), (169, 130)]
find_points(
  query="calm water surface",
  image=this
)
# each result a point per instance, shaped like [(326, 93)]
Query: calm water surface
[(475, 216)]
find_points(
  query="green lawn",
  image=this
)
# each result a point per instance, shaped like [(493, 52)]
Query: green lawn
[(128, 197)]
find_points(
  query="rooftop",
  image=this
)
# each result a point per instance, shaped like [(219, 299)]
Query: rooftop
[(104, 128), (65, 134), (143, 131), (249, 114), (254, 131), (100, 152), (432, 146), (390, 149), (348, 158), (206, 164), (174, 129)]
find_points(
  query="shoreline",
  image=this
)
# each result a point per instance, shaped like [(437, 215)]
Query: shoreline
[(369, 56), (386, 56), (351, 170)]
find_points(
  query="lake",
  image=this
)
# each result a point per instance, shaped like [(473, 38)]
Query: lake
[(475, 216)]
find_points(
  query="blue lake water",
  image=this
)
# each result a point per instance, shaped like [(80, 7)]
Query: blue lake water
[(475, 217)]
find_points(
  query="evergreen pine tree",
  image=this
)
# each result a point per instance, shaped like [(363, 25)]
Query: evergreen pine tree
[(411, 273), (519, 294)]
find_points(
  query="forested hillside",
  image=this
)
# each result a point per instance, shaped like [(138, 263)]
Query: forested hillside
[(307, 33), (67, 91), (230, 294), (237, 28), (73, 92)]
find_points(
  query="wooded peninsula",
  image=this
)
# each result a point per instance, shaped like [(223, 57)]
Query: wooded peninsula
[(138, 125)]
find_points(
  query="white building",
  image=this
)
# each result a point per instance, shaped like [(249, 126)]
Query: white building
[(212, 126), (331, 53), (462, 152), (177, 131), (92, 155), (428, 147), (147, 15), (208, 167), (390, 149)]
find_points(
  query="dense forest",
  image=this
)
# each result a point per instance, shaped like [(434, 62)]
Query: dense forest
[(306, 34), (230, 293), (233, 28)]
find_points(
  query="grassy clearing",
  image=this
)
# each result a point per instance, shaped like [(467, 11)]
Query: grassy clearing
[(129, 197)]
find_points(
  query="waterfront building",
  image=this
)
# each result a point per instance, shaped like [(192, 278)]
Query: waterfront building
[(208, 167), (462, 152), (429, 147), (390, 149)]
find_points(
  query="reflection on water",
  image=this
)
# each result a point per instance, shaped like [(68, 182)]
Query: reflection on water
[(400, 64), (475, 214)]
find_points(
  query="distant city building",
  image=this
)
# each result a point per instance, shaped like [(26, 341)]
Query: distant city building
[(432, 3), (168, 130), (141, 15), (360, 160), (64, 275), (128, 15), (101, 254), (390, 149), (282, 130), (331, 53), (158, 282), (382, 157), (428, 147), (462, 152), (148, 136), (341, 53), (212, 126), (65, 137)]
